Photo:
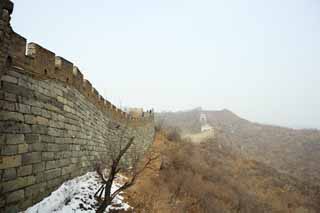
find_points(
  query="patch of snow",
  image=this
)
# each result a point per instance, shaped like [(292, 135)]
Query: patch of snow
[(77, 196)]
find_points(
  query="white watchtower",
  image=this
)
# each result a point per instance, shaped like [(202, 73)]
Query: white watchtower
[(204, 123)]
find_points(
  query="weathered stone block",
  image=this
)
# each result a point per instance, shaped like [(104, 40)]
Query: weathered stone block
[(38, 167), (52, 164), (9, 150), (9, 78), (18, 183), (55, 132), (32, 138), (47, 138), (64, 162), (34, 190), (75, 160), (39, 129), (10, 97), (53, 173), (53, 147), (24, 83), (35, 147), (23, 148), (29, 119), (38, 198), (76, 147), (30, 158), (62, 99), (42, 121), (48, 156), (76, 172), (29, 101), (10, 161), (54, 183), (11, 116), (63, 140), (27, 202), (66, 170), (64, 154), (54, 106), (56, 124), (6, 105), (9, 174), (75, 154), (68, 109), (66, 177), (14, 127), (57, 92), (14, 138), (36, 110), (25, 170), (15, 196), (67, 154), (63, 147), (15, 73), (22, 108), (40, 177), (60, 118), (46, 113)]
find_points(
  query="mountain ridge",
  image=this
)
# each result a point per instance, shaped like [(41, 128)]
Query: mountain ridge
[(292, 151)]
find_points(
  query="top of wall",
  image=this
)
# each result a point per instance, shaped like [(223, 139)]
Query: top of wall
[(41, 63)]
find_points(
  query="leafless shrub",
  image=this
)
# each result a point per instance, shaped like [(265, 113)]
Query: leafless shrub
[(115, 165)]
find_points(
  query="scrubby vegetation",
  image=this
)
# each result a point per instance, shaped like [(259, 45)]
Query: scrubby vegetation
[(291, 151), (209, 177)]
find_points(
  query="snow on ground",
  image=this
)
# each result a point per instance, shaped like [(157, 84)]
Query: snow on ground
[(77, 196)]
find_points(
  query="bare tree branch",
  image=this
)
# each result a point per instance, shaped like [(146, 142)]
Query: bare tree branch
[(134, 177), (114, 169)]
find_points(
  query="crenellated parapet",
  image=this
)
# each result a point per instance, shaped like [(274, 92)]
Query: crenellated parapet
[(54, 124), (6, 8), (41, 63)]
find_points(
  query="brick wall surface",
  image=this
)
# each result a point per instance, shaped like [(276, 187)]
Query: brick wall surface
[(53, 124), (50, 133)]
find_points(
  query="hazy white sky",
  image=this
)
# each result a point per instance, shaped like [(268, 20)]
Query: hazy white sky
[(258, 58)]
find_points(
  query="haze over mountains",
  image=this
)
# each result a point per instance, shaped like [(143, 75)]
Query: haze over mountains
[(291, 151)]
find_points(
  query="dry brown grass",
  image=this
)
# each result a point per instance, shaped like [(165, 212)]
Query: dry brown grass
[(210, 178)]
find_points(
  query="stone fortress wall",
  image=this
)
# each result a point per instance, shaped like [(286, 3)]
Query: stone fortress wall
[(53, 124)]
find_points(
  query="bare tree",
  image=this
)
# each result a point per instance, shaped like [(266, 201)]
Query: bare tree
[(114, 169)]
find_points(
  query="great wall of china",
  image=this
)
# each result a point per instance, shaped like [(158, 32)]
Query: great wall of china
[(53, 124)]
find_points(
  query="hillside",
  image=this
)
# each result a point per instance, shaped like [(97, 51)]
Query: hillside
[(210, 178), (295, 152)]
